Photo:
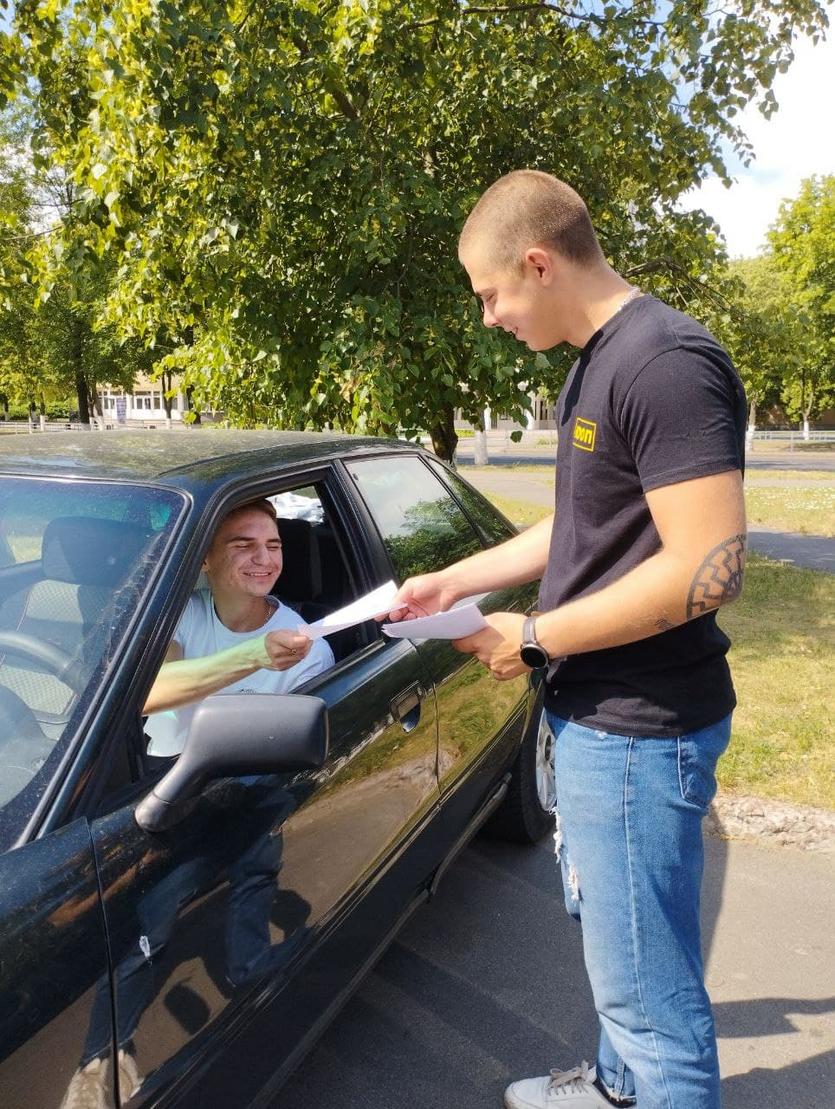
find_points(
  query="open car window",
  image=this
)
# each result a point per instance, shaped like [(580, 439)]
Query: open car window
[(317, 577), (77, 559)]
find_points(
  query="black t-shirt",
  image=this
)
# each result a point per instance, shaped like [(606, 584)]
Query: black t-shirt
[(652, 400)]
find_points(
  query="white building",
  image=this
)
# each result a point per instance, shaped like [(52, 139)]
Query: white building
[(144, 404)]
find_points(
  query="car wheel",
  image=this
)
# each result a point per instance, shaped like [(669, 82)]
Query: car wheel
[(527, 811)]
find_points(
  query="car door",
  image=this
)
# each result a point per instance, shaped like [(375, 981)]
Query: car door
[(65, 600), (53, 967), (425, 528), (233, 932)]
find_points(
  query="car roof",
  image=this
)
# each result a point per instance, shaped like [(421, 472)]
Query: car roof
[(202, 454)]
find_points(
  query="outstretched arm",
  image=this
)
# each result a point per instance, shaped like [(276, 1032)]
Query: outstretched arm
[(701, 524), (181, 681)]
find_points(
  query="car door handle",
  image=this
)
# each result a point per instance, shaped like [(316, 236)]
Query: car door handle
[(406, 706)]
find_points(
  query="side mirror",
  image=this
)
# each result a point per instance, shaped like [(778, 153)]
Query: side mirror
[(262, 733)]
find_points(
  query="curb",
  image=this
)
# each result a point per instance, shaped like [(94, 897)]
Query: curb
[(771, 822)]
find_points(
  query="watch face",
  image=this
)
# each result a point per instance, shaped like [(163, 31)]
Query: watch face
[(534, 656)]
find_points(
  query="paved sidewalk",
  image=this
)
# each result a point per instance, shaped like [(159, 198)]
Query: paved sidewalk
[(814, 551)]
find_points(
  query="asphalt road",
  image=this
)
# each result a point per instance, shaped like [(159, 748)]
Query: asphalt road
[(816, 552), (486, 984)]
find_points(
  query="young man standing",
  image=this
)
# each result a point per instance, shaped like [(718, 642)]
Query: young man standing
[(647, 541)]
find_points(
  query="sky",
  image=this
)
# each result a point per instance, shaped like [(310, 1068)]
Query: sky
[(798, 141)]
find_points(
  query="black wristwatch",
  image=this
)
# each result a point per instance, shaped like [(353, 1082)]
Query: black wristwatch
[(532, 653)]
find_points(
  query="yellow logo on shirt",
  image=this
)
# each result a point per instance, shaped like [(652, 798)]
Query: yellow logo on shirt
[(585, 432)]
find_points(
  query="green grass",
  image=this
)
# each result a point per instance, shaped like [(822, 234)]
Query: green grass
[(521, 513), (783, 635), (810, 510)]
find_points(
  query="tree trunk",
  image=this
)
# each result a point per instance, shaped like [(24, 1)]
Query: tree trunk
[(752, 425), (444, 439), (190, 404), (81, 391), (82, 398), (167, 401), (480, 457)]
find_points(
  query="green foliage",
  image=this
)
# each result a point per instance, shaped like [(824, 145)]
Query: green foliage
[(803, 246), (278, 185), (760, 329), (52, 341)]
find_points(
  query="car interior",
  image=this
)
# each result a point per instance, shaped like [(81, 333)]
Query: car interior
[(315, 579), (56, 616)]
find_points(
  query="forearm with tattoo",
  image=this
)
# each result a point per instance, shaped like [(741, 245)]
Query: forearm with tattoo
[(719, 578)]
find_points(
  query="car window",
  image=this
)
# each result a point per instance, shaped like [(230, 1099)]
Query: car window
[(420, 523), (316, 578), (487, 518), (77, 559)]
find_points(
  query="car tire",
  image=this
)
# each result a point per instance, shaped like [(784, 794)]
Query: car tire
[(527, 812)]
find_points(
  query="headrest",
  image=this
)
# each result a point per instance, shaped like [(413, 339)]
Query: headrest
[(301, 576), (86, 551)]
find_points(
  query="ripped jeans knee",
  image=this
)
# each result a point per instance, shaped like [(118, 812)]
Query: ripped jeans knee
[(570, 875)]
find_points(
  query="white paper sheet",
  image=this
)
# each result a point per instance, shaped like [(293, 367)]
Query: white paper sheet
[(464, 619), (376, 603)]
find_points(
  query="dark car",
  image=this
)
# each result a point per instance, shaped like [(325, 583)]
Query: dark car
[(177, 931)]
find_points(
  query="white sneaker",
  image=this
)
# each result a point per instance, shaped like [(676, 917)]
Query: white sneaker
[(128, 1074), (89, 1087), (561, 1089)]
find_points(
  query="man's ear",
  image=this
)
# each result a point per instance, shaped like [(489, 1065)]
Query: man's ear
[(542, 262)]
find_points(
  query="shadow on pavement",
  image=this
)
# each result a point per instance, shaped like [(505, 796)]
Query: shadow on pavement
[(768, 1016), (800, 1085)]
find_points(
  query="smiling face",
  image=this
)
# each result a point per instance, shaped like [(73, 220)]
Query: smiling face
[(245, 556), (518, 299)]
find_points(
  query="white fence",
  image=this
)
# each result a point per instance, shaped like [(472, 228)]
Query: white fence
[(35, 427)]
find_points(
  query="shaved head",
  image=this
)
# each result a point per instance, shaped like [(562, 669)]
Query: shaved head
[(528, 208)]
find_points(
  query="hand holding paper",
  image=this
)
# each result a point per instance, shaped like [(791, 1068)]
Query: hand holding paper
[(378, 602), (462, 620), (458, 622)]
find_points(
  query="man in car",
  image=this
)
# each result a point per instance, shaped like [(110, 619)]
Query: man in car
[(233, 637), (647, 541)]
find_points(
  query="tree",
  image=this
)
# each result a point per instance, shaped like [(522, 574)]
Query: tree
[(803, 246), (52, 343), (284, 180), (758, 325)]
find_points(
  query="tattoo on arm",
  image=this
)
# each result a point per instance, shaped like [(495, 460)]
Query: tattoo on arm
[(719, 578), (664, 625)]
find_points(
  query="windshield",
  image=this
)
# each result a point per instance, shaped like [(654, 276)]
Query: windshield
[(75, 559)]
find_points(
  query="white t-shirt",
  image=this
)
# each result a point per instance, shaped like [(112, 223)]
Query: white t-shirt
[(200, 633)]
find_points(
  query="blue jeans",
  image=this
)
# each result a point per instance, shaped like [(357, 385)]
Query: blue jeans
[(629, 841)]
